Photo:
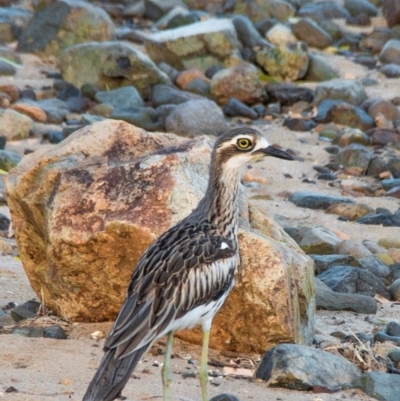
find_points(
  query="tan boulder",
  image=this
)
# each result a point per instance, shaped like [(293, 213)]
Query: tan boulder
[(84, 211)]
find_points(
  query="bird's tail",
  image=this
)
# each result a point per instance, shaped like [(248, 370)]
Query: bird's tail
[(112, 375)]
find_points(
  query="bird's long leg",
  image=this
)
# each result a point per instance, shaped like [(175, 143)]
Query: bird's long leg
[(166, 369), (204, 366)]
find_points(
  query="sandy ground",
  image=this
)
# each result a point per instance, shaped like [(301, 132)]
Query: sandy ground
[(43, 369)]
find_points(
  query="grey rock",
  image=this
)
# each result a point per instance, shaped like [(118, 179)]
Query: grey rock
[(316, 201), (56, 110), (347, 90), (319, 69), (199, 87), (163, 94), (246, 32), (394, 290), (13, 21), (288, 94), (33, 332), (323, 10), (5, 319), (9, 159), (110, 65), (353, 280), (172, 72), (121, 98), (50, 30), (199, 45), (359, 20), (374, 265), (56, 332), (236, 108), (382, 386), (390, 70), (325, 262), (356, 7), (390, 52), (390, 183), (367, 61), (224, 397), (155, 9), (327, 299), (299, 367), (143, 117), (394, 166), (196, 117), (310, 32), (183, 18), (319, 240), (22, 313), (355, 155), (7, 69), (332, 28), (299, 124), (164, 111), (380, 219), (4, 222), (393, 329), (394, 355), (382, 337)]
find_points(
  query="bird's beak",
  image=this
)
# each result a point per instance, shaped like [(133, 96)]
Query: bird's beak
[(275, 152)]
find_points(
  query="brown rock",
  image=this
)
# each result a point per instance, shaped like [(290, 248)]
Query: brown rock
[(188, 76), (35, 112), (11, 91), (385, 108), (351, 211), (5, 100), (391, 12), (5, 247), (84, 212), (394, 254), (383, 136), (241, 82)]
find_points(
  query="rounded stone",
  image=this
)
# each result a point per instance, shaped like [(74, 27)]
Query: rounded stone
[(241, 82)]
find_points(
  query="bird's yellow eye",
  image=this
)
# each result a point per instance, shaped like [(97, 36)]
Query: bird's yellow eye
[(243, 143)]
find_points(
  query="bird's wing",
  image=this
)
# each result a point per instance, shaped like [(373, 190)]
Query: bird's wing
[(184, 268)]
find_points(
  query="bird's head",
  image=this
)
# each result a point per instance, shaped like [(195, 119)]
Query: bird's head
[(239, 146)]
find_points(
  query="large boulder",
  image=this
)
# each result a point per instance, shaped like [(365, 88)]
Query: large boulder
[(110, 65), (63, 23), (85, 210), (196, 46)]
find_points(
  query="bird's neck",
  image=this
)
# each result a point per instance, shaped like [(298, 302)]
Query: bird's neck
[(220, 204)]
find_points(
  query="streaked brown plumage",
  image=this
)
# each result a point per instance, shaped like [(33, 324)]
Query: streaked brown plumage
[(185, 275)]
